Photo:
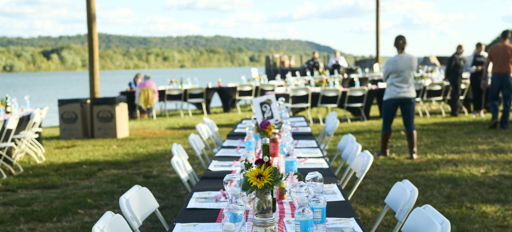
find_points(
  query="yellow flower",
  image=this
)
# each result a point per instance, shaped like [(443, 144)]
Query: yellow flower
[(259, 176)]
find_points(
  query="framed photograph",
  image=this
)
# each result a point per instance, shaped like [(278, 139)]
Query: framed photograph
[(265, 108)]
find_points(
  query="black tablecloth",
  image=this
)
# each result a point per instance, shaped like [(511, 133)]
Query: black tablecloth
[(212, 181)]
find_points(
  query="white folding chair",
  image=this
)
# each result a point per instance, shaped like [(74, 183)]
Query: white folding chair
[(197, 96), (329, 130), (356, 98), (26, 140), (244, 92), (359, 167), (300, 97), (329, 98), (207, 136), (182, 167), (330, 118), (348, 149), (265, 88), (7, 143), (420, 91), (401, 199), (199, 148), (111, 222), (435, 94), (349, 154), (175, 96), (137, 204), (215, 131), (426, 219)]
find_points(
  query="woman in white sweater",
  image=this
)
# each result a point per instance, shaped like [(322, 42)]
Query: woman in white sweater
[(400, 93)]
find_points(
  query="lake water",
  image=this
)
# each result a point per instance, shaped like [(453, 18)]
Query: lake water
[(45, 88)]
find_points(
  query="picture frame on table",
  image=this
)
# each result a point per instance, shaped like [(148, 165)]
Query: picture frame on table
[(265, 108)]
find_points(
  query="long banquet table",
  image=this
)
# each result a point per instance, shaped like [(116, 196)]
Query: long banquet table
[(212, 181)]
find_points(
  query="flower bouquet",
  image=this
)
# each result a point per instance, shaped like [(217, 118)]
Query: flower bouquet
[(261, 179)]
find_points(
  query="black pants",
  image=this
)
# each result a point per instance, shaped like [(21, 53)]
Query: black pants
[(476, 90), (454, 95)]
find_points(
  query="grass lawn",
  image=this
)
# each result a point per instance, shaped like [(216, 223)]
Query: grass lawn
[(464, 170)]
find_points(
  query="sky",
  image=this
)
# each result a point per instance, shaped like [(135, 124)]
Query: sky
[(432, 27)]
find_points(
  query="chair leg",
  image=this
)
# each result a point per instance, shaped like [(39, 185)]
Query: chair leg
[(309, 116), (363, 115), (204, 109), (189, 111), (238, 108)]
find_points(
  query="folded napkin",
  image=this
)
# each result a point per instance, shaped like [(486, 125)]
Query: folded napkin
[(231, 152), (305, 143), (312, 163), (207, 200), (301, 129), (218, 166), (233, 143), (308, 152)]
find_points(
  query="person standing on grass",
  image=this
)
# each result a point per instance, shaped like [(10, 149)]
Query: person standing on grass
[(400, 93), (475, 65), (500, 55), (453, 73)]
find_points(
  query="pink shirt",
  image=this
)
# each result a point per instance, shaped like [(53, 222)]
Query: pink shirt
[(148, 84)]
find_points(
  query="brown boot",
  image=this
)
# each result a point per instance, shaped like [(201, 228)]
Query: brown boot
[(384, 141), (411, 142)]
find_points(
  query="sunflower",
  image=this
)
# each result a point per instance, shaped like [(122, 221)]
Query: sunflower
[(259, 176)]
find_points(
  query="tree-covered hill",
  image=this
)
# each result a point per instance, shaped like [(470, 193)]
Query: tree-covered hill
[(61, 53)]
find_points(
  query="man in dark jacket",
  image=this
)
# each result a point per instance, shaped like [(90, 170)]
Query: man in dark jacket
[(453, 73)]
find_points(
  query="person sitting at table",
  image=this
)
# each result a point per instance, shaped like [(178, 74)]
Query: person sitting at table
[(137, 79), (337, 62), (314, 64), (146, 96), (400, 92)]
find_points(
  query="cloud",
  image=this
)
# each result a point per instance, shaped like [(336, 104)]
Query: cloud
[(238, 20), (116, 16), (334, 9), (217, 5), (420, 15), (164, 25)]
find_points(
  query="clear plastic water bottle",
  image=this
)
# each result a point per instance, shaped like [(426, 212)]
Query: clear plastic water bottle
[(315, 182), (318, 205), (234, 213), (15, 105), (250, 143), (27, 102), (303, 215)]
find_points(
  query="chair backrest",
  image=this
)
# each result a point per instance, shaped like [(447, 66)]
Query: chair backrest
[(145, 97), (137, 204), (264, 88), (214, 129), (206, 134), (331, 116), (345, 141), (9, 129), (199, 148), (401, 198), (329, 96), (356, 95), (422, 220), (440, 218), (434, 91), (299, 95), (351, 151), (196, 93), (111, 222), (331, 126), (184, 170), (174, 94), (360, 166), (245, 90), (178, 151)]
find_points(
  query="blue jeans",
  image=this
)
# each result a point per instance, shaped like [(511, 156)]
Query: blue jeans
[(500, 83), (389, 108)]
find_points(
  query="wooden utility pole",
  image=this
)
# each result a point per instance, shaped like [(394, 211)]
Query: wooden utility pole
[(94, 57), (377, 29)]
